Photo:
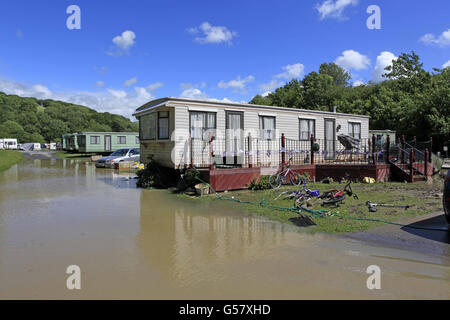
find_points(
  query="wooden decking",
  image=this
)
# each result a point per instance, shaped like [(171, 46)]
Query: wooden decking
[(240, 178)]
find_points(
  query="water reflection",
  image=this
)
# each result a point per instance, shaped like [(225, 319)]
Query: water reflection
[(186, 241), (121, 180)]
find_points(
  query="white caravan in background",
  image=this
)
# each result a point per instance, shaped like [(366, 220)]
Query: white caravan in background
[(8, 144)]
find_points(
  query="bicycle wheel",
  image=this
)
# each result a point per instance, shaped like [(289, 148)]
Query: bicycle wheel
[(334, 201), (295, 179), (275, 181)]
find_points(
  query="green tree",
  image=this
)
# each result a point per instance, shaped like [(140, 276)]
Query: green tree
[(412, 101), (11, 129), (340, 76)]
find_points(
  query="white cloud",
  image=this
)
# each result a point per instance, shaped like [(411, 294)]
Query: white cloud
[(142, 94), (383, 60), (237, 84), (351, 59), (442, 41), (188, 85), (226, 100), (110, 100), (119, 94), (265, 94), (155, 86), (446, 65), (292, 71), (42, 91), (123, 42), (271, 86), (19, 34), (130, 82), (212, 34), (100, 84), (358, 83), (193, 93), (334, 8)]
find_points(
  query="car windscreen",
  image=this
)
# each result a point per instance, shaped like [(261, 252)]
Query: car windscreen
[(120, 152)]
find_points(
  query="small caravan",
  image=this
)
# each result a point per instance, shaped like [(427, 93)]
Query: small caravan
[(8, 144)]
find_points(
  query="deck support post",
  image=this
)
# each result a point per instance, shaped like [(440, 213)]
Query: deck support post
[(191, 165), (283, 149), (211, 152), (402, 155), (374, 149), (430, 159), (411, 166), (388, 149), (250, 150), (426, 162), (415, 142), (312, 145)]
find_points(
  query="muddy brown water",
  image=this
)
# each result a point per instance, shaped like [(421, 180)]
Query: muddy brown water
[(142, 244)]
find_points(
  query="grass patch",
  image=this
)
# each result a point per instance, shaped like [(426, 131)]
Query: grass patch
[(424, 198), (8, 158)]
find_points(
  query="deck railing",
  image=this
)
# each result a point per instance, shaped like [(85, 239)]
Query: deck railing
[(251, 152)]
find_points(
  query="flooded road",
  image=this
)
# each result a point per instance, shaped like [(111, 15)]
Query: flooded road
[(142, 244)]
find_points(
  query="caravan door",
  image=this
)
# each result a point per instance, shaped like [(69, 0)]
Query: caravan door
[(234, 138), (330, 139), (108, 143)]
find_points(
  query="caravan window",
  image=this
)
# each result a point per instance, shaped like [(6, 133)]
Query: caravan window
[(354, 130), (307, 128), (163, 125), (202, 124), (95, 139), (121, 140), (147, 127), (267, 127)]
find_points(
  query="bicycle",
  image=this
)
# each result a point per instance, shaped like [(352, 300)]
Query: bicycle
[(276, 180), (289, 194), (304, 195), (334, 197)]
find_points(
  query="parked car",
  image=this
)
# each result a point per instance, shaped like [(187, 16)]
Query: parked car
[(120, 155), (446, 197)]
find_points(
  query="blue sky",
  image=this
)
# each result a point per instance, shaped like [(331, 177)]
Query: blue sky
[(129, 52)]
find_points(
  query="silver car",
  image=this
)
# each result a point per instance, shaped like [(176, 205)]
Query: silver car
[(120, 155)]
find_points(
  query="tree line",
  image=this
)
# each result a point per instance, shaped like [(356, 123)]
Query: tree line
[(411, 100), (33, 120)]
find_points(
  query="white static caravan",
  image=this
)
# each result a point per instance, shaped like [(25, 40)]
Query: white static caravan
[(197, 119), (8, 144)]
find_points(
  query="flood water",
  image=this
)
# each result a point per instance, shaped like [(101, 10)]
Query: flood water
[(143, 244)]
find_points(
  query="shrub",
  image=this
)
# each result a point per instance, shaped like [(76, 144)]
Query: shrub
[(306, 176), (156, 176), (190, 178), (261, 184)]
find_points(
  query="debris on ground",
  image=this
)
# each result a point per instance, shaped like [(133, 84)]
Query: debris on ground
[(302, 221), (373, 206)]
